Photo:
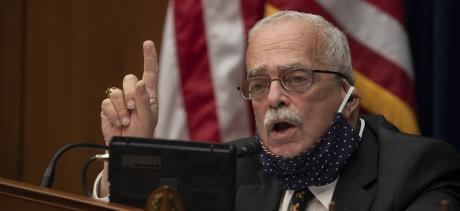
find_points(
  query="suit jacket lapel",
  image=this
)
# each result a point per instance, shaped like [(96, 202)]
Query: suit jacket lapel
[(350, 192), (265, 196)]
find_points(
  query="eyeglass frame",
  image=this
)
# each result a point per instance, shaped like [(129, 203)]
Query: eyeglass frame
[(284, 86)]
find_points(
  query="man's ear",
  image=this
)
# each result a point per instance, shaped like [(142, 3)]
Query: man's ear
[(351, 109)]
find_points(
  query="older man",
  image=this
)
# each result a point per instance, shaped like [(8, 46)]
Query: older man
[(315, 147)]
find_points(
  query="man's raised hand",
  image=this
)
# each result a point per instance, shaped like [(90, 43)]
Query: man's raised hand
[(133, 110)]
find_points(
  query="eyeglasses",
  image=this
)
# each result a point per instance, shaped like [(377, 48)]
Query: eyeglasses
[(295, 80)]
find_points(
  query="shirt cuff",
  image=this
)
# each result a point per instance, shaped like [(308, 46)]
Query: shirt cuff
[(96, 187)]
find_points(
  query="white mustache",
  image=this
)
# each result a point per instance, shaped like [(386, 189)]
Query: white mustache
[(282, 114)]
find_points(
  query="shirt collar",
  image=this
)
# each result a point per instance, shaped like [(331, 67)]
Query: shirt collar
[(324, 193)]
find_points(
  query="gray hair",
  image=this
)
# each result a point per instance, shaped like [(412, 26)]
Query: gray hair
[(336, 52)]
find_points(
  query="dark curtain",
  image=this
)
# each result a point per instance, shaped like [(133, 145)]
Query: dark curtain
[(434, 34)]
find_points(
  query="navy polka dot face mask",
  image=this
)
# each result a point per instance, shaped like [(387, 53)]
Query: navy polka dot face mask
[(320, 165)]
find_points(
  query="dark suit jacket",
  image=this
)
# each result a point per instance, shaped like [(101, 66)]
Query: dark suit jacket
[(390, 171)]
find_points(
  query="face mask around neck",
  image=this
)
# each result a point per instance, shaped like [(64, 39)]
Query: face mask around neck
[(320, 165)]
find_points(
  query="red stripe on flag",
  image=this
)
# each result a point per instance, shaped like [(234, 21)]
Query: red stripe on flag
[(197, 88), (371, 64), (392, 8), (383, 72), (252, 10), (296, 5)]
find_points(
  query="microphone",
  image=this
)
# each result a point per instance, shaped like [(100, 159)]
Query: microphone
[(247, 147), (48, 175)]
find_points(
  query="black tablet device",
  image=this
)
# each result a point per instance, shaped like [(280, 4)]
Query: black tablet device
[(203, 174)]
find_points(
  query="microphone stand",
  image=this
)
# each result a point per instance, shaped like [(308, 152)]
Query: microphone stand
[(48, 175)]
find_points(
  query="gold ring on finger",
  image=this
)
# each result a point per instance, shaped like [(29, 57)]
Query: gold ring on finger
[(109, 91)]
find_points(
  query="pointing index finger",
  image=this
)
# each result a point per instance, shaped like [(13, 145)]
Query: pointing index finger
[(150, 76)]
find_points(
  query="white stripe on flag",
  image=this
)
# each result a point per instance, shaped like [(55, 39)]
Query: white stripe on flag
[(225, 42), (374, 28), (172, 122)]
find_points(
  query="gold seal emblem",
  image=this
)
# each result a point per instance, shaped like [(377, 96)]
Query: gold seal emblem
[(164, 198)]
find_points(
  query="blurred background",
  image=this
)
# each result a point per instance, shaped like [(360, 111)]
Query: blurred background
[(56, 60), (57, 57)]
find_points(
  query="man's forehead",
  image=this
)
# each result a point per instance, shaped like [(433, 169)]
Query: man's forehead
[(292, 40), (297, 30), (288, 26)]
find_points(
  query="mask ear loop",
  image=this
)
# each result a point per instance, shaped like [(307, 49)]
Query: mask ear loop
[(361, 129), (345, 100)]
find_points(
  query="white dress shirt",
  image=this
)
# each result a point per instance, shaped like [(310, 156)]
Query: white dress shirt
[(323, 197)]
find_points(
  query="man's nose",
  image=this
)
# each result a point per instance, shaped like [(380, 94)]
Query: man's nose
[(277, 94)]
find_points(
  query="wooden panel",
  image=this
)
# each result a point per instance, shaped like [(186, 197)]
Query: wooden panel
[(75, 50), (11, 53), (16, 195)]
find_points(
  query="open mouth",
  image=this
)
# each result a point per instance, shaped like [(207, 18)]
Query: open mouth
[(282, 130), (281, 126)]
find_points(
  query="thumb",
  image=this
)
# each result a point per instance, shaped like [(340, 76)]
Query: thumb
[(106, 127)]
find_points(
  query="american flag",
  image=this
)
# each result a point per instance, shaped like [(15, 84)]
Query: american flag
[(202, 63)]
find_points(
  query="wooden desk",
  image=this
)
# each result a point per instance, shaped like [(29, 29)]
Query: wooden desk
[(15, 195)]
